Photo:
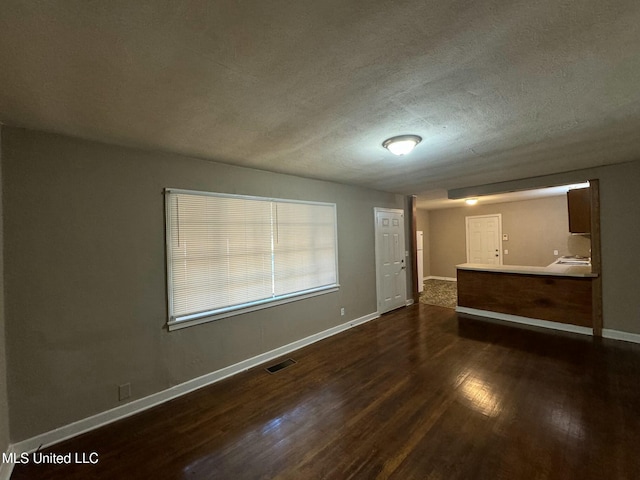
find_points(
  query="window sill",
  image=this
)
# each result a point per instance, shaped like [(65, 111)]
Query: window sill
[(174, 324)]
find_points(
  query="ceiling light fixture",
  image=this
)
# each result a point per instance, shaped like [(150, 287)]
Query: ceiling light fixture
[(402, 144), (471, 201)]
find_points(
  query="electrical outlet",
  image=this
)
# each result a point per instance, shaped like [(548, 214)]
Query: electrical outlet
[(124, 391), (342, 312)]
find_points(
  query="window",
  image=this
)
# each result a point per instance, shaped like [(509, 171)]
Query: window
[(230, 254)]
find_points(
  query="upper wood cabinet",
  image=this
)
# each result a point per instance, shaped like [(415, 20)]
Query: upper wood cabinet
[(579, 202)]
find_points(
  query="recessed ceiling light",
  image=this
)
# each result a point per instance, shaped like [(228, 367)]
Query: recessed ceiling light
[(471, 201), (401, 145)]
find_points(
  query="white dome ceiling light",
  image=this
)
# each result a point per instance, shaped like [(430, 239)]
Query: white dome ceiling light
[(402, 144)]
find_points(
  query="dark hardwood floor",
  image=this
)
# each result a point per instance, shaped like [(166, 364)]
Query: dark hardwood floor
[(416, 394)]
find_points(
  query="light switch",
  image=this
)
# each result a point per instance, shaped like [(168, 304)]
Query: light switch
[(506, 252), (555, 252)]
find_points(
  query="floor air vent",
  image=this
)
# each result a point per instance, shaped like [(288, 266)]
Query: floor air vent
[(279, 366)]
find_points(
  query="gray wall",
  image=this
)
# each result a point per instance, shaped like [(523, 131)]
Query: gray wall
[(535, 228), (85, 275), (620, 224), (4, 404)]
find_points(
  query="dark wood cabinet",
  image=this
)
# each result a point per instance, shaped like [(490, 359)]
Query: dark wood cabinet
[(579, 203), (554, 298)]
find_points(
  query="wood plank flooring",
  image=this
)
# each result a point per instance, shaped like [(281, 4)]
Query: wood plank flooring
[(416, 394)]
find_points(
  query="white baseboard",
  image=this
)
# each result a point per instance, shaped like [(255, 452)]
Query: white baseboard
[(450, 279), (6, 469), (618, 335), (91, 423), (535, 322), (606, 332)]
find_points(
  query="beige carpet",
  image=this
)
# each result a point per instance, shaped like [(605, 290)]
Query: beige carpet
[(442, 293)]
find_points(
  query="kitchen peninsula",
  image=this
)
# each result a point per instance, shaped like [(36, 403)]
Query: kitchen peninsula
[(557, 296)]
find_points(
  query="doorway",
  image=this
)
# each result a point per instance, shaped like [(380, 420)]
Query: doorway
[(484, 239), (391, 278)]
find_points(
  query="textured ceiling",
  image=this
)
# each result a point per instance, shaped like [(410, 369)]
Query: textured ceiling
[(498, 90)]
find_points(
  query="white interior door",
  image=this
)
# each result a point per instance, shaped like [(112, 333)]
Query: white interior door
[(484, 239), (390, 259)]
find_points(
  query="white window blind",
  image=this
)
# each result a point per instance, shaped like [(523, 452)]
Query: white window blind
[(227, 254), (304, 247)]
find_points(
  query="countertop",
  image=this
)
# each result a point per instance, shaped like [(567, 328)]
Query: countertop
[(556, 270)]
